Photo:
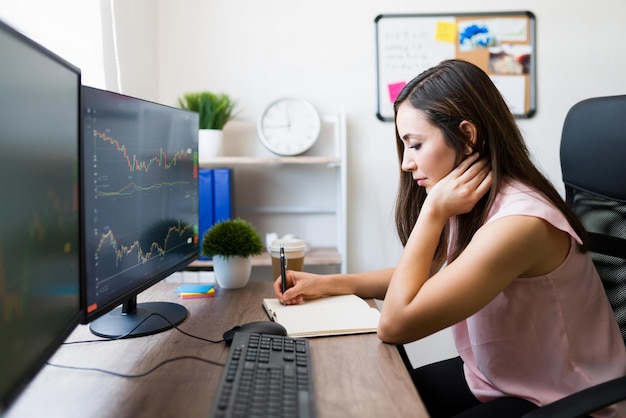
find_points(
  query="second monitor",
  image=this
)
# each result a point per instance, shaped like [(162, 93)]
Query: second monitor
[(140, 208)]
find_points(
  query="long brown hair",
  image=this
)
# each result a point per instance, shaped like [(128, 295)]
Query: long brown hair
[(448, 94)]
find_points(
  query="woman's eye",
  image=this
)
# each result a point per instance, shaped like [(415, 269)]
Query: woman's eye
[(415, 146)]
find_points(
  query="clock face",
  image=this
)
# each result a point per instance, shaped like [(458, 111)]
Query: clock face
[(289, 126)]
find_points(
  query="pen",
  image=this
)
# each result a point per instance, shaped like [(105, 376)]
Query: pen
[(282, 269)]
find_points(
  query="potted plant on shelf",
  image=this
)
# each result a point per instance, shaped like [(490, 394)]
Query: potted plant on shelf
[(232, 243), (214, 111)]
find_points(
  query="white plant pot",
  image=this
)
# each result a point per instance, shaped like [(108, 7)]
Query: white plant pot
[(232, 272), (210, 144)]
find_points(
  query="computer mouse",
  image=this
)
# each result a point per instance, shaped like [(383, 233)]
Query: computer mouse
[(261, 327)]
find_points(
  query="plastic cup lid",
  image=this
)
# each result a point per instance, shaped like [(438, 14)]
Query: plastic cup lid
[(289, 244)]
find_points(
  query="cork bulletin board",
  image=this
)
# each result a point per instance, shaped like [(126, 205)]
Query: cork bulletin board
[(501, 43)]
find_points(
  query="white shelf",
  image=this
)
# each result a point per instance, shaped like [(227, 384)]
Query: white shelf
[(303, 210), (320, 256), (304, 195), (219, 161)]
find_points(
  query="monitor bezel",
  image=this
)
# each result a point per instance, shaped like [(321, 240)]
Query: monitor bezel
[(10, 397)]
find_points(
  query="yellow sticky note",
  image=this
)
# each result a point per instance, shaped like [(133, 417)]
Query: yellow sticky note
[(445, 32)]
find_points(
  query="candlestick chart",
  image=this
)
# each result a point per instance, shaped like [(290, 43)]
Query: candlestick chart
[(141, 199)]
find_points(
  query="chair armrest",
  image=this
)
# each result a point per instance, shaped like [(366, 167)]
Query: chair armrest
[(404, 356), (581, 404)]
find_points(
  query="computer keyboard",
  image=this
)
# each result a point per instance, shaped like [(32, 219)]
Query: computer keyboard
[(266, 376)]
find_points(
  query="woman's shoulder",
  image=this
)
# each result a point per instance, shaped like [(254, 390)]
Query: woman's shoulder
[(516, 198), (515, 189), (514, 192)]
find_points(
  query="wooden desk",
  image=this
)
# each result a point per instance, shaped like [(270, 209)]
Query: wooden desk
[(354, 376)]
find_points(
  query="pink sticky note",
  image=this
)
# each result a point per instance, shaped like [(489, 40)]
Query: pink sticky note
[(395, 89)]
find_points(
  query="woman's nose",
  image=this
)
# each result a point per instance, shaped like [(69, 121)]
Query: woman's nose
[(408, 164)]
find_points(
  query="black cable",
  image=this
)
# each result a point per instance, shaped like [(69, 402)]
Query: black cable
[(138, 325), (132, 376), (199, 338), (149, 371)]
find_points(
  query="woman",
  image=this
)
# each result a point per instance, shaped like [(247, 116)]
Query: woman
[(491, 249)]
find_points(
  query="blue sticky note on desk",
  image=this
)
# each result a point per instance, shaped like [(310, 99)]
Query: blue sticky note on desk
[(194, 288)]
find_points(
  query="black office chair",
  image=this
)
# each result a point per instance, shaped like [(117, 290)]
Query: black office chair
[(593, 164)]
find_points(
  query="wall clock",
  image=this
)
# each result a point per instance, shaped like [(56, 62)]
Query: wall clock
[(289, 126)]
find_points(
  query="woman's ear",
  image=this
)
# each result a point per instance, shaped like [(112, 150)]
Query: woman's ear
[(469, 130)]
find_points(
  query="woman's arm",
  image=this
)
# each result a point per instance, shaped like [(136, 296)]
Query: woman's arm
[(302, 286), (513, 246), (455, 194), (500, 252)]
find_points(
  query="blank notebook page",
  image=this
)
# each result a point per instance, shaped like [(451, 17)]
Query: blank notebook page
[(333, 315)]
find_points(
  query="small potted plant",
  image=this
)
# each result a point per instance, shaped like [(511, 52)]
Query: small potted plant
[(232, 243), (214, 111)]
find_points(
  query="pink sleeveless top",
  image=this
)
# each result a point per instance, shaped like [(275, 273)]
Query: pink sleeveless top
[(542, 338)]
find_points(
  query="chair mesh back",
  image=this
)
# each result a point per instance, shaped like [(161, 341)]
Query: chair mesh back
[(605, 221)]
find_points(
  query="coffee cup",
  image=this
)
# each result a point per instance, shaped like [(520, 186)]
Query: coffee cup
[(294, 254)]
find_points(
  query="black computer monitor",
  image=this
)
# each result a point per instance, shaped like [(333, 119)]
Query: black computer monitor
[(140, 209), (39, 210)]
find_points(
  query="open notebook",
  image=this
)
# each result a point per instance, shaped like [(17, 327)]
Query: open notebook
[(332, 315)]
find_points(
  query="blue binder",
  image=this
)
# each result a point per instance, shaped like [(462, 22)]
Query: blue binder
[(222, 192), (206, 210)]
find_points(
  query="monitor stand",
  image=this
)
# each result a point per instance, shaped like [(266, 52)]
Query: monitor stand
[(137, 320)]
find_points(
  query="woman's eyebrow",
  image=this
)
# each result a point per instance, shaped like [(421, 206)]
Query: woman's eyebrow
[(408, 136)]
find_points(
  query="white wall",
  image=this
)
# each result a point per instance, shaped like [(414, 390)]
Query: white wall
[(257, 50)]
